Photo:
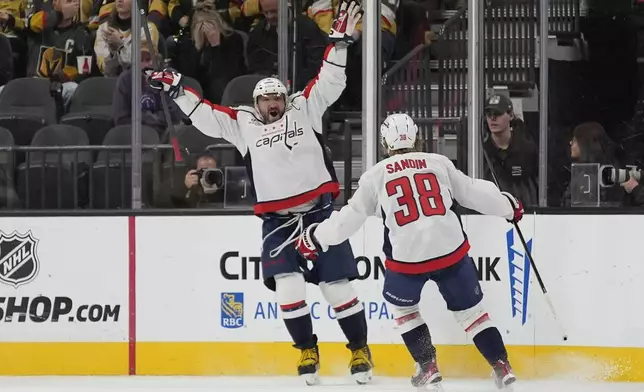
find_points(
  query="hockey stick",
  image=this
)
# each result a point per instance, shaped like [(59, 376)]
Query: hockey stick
[(164, 99), (523, 242)]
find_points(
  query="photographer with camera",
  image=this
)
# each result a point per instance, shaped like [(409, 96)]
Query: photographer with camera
[(202, 185)]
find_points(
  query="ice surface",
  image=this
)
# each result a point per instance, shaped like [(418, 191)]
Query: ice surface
[(282, 384)]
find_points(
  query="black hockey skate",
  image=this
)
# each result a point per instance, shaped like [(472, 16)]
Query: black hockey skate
[(309, 363), (427, 377), (361, 364), (503, 375)]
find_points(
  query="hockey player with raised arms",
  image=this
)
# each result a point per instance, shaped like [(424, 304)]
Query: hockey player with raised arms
[(413, 192), (294, 182)]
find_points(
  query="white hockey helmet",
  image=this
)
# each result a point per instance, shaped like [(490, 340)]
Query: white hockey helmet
[(398, 132), (268, 86)]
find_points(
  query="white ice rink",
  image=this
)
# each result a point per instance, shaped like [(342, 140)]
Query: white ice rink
[(283, 384)]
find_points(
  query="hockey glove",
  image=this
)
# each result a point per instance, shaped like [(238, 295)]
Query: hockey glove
[(344, 24), (517, 207), (168, 81), (307, 246)]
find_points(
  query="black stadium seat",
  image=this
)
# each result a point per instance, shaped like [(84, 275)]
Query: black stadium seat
[(239, 91), (193, 84), (112, 172), (91, 108), (26, 106), (8, 195), (56, 179)]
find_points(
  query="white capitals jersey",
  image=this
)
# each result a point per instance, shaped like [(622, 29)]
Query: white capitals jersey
[(413, 193), (286, 161)]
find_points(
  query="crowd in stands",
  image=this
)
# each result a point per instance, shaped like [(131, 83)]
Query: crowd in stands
[(72, 43)]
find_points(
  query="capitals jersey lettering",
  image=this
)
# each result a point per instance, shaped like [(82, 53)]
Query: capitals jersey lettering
[(413, 194), (286, 160)]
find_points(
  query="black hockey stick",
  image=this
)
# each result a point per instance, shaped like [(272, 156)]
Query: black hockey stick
[(164, 99), (521, 238)]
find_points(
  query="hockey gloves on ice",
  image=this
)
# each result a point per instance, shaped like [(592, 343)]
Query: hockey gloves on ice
[(344, 24), (168, 81), (517, 207), (307, 246)]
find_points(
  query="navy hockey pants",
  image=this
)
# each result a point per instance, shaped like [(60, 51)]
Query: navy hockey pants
[(458, 284), (335, 264)]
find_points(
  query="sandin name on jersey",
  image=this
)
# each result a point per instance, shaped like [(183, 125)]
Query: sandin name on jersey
[(406, 164)]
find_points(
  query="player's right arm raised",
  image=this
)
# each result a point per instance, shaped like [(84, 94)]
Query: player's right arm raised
[(212, 120), (482, 196)]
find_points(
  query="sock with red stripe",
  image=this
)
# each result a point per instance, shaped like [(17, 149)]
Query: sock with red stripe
[(299, 325), (490, 344), (353, 323)]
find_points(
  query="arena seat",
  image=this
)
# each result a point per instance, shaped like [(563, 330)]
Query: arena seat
[(56, 179), (112, 172), (91, 108), (239, 91), (26, 105)]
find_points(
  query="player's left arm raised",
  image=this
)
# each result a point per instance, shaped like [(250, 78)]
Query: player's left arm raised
[(330, 82), (341, 224)]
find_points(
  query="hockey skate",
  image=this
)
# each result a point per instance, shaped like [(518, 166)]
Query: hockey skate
[(309, 365), (361, 365), (427, 377), (503, 375)]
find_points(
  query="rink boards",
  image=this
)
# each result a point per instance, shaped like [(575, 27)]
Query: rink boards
[(184, 296)]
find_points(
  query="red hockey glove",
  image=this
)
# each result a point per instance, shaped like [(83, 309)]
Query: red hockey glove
[(344, 24), (166, 80), (307, 246), (517, 207)]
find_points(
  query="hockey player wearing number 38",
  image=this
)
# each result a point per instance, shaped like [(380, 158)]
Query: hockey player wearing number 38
[(281, 142), (412, 193)]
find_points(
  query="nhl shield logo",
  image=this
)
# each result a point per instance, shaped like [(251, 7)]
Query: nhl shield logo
[(18, 259)]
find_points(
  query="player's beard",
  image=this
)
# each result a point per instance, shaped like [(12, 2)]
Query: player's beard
[(273, 115)]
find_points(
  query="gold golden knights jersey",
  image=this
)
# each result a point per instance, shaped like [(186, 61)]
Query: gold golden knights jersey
[(286, 160), (413, 193)]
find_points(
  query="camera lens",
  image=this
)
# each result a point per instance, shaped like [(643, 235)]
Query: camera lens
[(214, 177)]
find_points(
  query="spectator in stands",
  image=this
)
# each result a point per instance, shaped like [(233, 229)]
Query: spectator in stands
[(113, 45), (263, 46), (151, 109), (635, 192), (213, 53), (12, 25), (157, 13), (196, 191), (591, 144), (323, 11), (59, 46), (12, 14), (513, 153), (6, 62), (181, 10)]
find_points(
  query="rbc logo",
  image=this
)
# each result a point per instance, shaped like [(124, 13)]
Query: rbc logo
[(519, 276), (232, 310)]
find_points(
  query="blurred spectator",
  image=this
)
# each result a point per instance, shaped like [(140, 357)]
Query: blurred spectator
[(635, 192), (151, 110), (213, 53), (12, 14), (157, 13), (323, 11), (262, 48), (181, 10), (591, 144), (6, 61), (513, 153), (113, 46), (202, 186), (59, 46)]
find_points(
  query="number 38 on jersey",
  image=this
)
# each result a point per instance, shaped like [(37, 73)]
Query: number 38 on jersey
[(416, 196)]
